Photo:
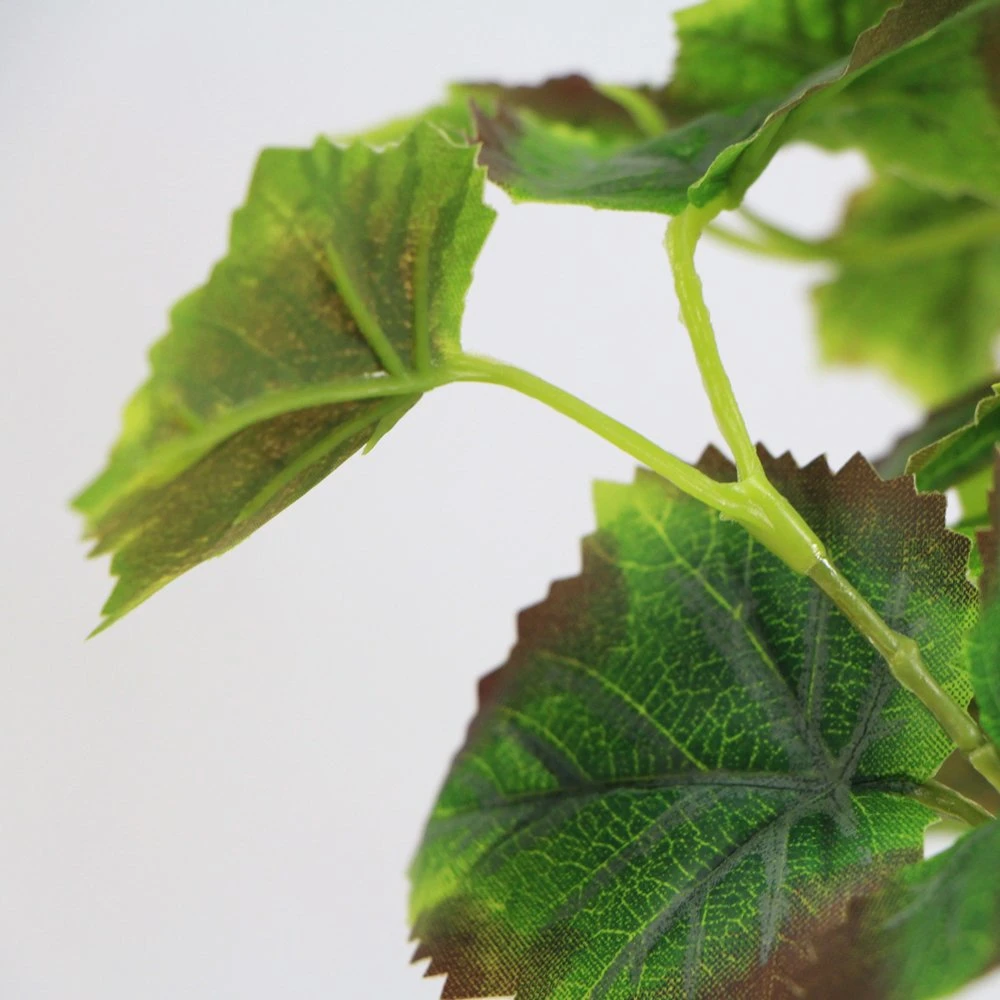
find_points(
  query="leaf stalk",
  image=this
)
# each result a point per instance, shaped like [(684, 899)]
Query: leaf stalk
[(935, 240), (772, 520), (947, 802)]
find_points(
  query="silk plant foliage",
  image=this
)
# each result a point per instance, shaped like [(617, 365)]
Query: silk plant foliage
[(936, 925), (691, 761), (895, 236), (695, 777), (344, 266)]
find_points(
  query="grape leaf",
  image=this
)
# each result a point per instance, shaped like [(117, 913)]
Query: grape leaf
[(984, 643), (989, 539), (940, 422), (961, 454), (933, 928), (723, 150), (917, 290), (929, 114), (339, 298), (984, 666), (732, 54), (691, 761), (936, 925), (932, 114), (939, 926), (608, 114)]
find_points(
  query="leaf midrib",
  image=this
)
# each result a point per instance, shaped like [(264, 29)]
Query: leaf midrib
[(753, 780)]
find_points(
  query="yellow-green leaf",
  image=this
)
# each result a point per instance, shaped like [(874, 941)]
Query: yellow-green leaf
[(339, 299)]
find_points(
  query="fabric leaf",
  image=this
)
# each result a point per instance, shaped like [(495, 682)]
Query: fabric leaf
[(939, 423), (931, 930), (939, 926), (609, 114), (691, 762), (793, 61), (931, 115), (917, 289), (961, 454), (341, 294)]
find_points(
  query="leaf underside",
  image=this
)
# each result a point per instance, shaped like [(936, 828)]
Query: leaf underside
[(691, 762), (753, 76), (346, 274)]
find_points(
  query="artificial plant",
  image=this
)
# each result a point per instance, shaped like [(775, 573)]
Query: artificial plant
[(707, 768)]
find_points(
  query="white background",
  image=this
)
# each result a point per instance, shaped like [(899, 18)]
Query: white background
[(218, 798)]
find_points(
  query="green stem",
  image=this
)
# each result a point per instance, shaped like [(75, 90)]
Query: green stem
[(768, 240), (908, 667), (752, 502), (766, 248), (781, 239), (648, 118), (930, 241), (472, 368), (682, 239), (946, 801), (787, 535), (764, 512)]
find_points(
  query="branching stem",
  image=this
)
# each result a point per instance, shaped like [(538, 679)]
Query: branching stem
[(472, 368), (682, 239), (788, 536), (934, 240)]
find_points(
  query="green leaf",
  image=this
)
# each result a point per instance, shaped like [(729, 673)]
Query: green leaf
[(984, 666), (735, 52), (932, 114), (984, 643), (939, 423), (917, 290), (942, 927), (336, 306), (607, 113), (988, 539), (691, 761), (935, 928), (963, 453), (757, 73)]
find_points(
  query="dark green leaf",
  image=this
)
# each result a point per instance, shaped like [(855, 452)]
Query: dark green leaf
[(984, 664), (943, 928), (756, 72), (917, 290), (935, 928), (961, 454), (946, 419), (341, 294), (691, 761), (988, 539), (984, 644), (733, 54)]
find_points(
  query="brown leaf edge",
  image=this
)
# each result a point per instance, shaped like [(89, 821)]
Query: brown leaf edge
[(827, 959), (570, 96)]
